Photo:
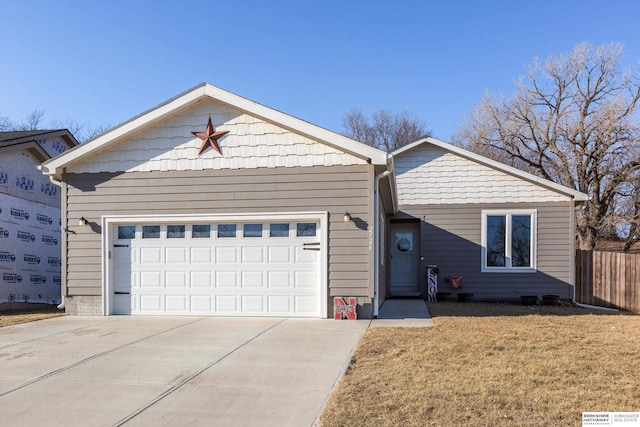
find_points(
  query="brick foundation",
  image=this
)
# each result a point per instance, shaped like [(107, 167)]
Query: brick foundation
[(83, 305)]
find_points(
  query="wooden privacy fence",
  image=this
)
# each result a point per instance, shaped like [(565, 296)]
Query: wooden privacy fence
[(608, 279)]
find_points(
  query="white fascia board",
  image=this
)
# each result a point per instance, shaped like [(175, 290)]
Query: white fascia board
[(377, 157), (576, 195), (203, 90)]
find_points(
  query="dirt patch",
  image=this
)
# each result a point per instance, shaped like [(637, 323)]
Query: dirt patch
[(29, 314), (492, 364)]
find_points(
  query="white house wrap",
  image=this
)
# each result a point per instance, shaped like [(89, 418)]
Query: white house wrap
[(30, 219)]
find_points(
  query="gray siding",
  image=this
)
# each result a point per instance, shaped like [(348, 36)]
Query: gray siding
[(336, 189), (451, 238)]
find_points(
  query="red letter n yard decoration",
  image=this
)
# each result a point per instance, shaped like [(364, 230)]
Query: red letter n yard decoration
[(344, 309)]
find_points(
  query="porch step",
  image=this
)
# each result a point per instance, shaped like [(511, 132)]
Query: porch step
[(403, 313), (405, 295)]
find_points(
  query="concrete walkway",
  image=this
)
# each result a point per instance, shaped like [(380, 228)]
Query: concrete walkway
[(172, 371), (403, 313)]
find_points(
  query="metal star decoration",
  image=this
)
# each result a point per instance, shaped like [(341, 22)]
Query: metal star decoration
[(210, 138)]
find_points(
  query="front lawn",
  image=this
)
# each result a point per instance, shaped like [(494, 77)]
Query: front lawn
[(29, 313), (492, 365)]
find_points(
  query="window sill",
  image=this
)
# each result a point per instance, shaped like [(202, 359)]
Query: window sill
[(507, 270)]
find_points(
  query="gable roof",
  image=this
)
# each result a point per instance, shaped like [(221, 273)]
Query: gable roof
[(576, 195), (29, 140), (182, 101)]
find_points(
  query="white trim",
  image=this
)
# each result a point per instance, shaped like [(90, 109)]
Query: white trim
[(533, 238), (203, 91), (376, 241), (577, 195), (108, 221)]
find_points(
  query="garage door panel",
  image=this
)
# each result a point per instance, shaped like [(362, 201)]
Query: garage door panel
[(175, 255), (200, 279), (226, 279), (226, 304), (252, 254), (236, 273), (176, 303), (150, 255), (304, 279), (252, 279), (175, 279), (306, 255), (200, 255), (305, 304), (201, 304), (253, 304), (279, 304), (279, 279), (279, 255), (226, 255), (150, 279), (151, 303)]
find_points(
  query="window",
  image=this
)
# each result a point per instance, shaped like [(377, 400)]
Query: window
[(305, 229), (150, 231), (279, 230), (226, 230), (175, 231), (509, 241), (126, 231), (201, 231), (253, 230)]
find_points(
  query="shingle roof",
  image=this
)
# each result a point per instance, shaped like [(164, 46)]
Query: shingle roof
[(21, 136)]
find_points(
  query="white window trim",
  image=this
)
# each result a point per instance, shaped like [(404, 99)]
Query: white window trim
[(534, 237)]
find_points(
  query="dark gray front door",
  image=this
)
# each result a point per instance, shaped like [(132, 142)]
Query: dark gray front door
[(404, 253)]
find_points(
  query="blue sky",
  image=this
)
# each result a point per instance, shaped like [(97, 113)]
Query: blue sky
[(102, 62)]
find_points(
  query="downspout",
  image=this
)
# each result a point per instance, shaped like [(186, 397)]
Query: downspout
[(376, 244), (61, 305)]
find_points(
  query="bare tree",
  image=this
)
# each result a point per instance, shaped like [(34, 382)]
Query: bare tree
[(384, 130), (71, 125), (92, 132), (575, 120), (5, 124), (33, 121)]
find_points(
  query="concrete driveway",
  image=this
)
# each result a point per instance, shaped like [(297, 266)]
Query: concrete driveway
[(170, 371)]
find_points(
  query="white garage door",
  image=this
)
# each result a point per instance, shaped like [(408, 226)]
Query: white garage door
[(259, 268)]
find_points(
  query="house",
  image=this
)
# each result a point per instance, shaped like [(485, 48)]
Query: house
[(505, 232), (30, 257), (212, 204)]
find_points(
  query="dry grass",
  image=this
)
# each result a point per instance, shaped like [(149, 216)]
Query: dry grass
[(492, 365), (29, 314)]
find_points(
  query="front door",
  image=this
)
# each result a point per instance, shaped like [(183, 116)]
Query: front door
[(404, 253)]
